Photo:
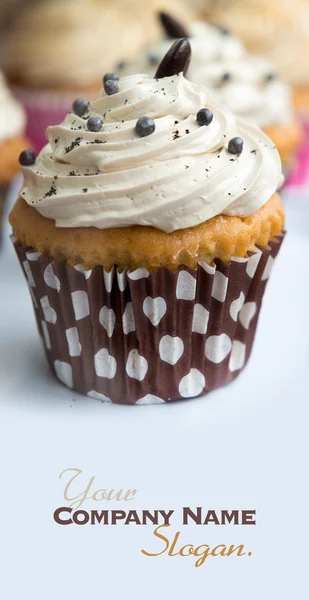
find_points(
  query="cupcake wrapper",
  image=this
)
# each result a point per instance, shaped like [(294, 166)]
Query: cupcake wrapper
[(141, 338), (298, 179), (43, 108)]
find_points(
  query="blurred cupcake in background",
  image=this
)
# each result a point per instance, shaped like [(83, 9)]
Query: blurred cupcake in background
[(12, 139), (55, 51), (147, 230), (248, 85), (277, 30)]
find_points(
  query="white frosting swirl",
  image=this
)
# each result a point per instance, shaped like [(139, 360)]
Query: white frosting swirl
[(177, 177), (12, 121), (247, 93)]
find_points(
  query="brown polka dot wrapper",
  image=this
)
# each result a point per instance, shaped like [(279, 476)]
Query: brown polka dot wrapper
[(139, 338)]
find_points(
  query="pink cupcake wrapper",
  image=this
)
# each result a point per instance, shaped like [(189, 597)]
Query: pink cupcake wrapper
[(299, 178), (43, 108)]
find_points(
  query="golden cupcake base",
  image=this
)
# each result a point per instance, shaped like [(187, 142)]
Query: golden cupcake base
[(221, 237)]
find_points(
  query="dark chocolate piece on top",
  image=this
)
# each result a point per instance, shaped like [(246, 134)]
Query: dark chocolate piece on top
[(176, 60)]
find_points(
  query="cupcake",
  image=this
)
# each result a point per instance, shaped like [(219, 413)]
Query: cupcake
[(248, 85), (55, 51), (12, 140), (146, 230), (277, 30)]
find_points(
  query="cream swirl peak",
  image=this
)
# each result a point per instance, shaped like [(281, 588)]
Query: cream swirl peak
[(179, 176)]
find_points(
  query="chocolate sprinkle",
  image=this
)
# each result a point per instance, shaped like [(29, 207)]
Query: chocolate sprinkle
[(111, 87), (27, 158), (204, 116), (110, 77), (94, 124), (51, 192), (235, 145), (145, 126), (153, 58), (80, 106), (73, 145)]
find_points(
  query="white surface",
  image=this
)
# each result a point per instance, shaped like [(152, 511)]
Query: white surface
[(244, 446)]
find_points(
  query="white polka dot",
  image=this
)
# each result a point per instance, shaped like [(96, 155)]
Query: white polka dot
[(73, 341), (64, 372), (217, 347), (186, 286), (236, 305), (33, 256), (108, 279), (49, 313), (247, 313), (82, 270), (192, 384), (105, 365), (80, 304), (268, 268), (238, 356), (150, 399), (208, 268), (28, 273), (99, 396), (219, 286), (138, 274), (171, 349), (200, 319), (137, 365), (46, 335), (107, 319), (154, 309), (122, 280), (253, 263), (128, 321), (50, 278)]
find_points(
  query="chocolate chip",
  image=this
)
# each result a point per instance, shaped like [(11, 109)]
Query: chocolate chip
[(223, 30), (145, 126), (121, 65), (153, 58), (235, 145), (226, 77), (80, 106), (172, 27), (110, 77), (27, 158), (204, 116), (176, 60), (270, 77), (94, 124), (111, 87)]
